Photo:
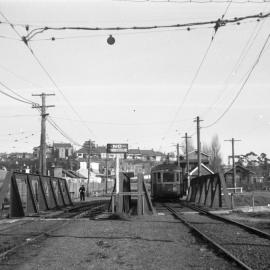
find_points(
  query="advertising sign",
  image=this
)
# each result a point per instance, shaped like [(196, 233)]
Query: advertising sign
[(117, 148)]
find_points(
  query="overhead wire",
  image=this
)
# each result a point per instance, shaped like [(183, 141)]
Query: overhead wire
[(216, 23), (216, 27), (36, 106), (45, 70), (196, 1), (19, 76), (242, 85), (197, 72), (243, 54), (15, 98)]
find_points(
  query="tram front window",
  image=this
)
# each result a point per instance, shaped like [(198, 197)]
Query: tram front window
[(158, 177), (168, 177)]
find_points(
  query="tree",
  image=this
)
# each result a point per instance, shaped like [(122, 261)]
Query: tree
[(213, 150)]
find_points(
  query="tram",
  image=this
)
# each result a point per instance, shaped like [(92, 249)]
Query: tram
[(167, 181)]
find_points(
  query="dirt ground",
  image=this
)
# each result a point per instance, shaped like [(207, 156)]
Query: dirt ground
[(151, 242)]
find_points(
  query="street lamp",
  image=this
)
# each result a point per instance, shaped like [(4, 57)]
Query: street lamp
[(110, 40)]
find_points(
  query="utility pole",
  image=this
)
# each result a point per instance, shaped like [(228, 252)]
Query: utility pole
[(89, 169), (187, 157), (177, 150), (233, 160), (106, 183), (42, 152), (198, 144)]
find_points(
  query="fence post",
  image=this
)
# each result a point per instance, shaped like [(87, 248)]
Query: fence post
[(253, 202), (139, 200)]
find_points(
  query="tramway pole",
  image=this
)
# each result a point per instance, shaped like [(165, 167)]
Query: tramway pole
[(177, 150), (186, 137), (233, 160), (42, 152), (89, 170), (198, 144)]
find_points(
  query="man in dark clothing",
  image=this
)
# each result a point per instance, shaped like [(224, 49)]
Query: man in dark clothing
[(82, 193)]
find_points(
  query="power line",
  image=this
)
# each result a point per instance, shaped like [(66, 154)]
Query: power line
[(216, 24), (197, 1), (36, 106), (17, 115), (45, 70), (243, 84), (240, 60), (18, 76), (17, 99), (22, 99)]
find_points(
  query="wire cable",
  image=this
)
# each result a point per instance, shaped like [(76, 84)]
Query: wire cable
[(196, 1), (242, 86), (45, 70), (17, 99), (216, 24)]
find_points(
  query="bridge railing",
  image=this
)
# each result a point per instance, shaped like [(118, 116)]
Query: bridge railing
[(28, 194), (209, 190), (121, 201)]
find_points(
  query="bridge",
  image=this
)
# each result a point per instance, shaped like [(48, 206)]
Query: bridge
[(41, 227)]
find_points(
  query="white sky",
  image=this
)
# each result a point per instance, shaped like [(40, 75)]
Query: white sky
[(131, 91)]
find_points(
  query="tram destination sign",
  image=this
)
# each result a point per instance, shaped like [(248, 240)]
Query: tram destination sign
[(117, 148)]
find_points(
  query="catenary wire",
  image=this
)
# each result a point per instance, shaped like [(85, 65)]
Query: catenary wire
[(242, 86), (196, 73), (240, 60), (45, 71), (219, 22)]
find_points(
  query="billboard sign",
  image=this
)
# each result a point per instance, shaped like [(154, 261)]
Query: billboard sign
[(117, 148)]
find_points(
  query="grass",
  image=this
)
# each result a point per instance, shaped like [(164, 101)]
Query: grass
[(261, 198)]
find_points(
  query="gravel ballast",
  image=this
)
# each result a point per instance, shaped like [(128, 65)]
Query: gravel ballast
[(150, 242)]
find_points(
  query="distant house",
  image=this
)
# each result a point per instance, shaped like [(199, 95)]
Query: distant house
[(134, 154), (62, 150), (82, 153), (74, 180), (23, 155), (204, 171), (97, 151), (193, 161), (49, 152), (145, 155), (136, 166), (244, 177)]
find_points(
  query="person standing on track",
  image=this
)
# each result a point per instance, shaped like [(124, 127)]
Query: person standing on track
[(82, 193)]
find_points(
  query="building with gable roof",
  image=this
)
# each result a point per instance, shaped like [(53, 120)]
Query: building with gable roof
[(62, 150)]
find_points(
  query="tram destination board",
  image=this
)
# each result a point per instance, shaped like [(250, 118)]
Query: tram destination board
[(117, 148)]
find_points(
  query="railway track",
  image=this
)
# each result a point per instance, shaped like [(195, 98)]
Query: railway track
[(246, 246), (27, 231)]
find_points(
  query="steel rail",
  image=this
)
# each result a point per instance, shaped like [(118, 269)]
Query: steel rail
[(209, 240), (45, 233), (224, 219)]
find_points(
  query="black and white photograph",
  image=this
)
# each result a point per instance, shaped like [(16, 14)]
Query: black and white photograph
[(134, 134)]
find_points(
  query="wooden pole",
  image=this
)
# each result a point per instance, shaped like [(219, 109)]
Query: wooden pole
[(42, 152)]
